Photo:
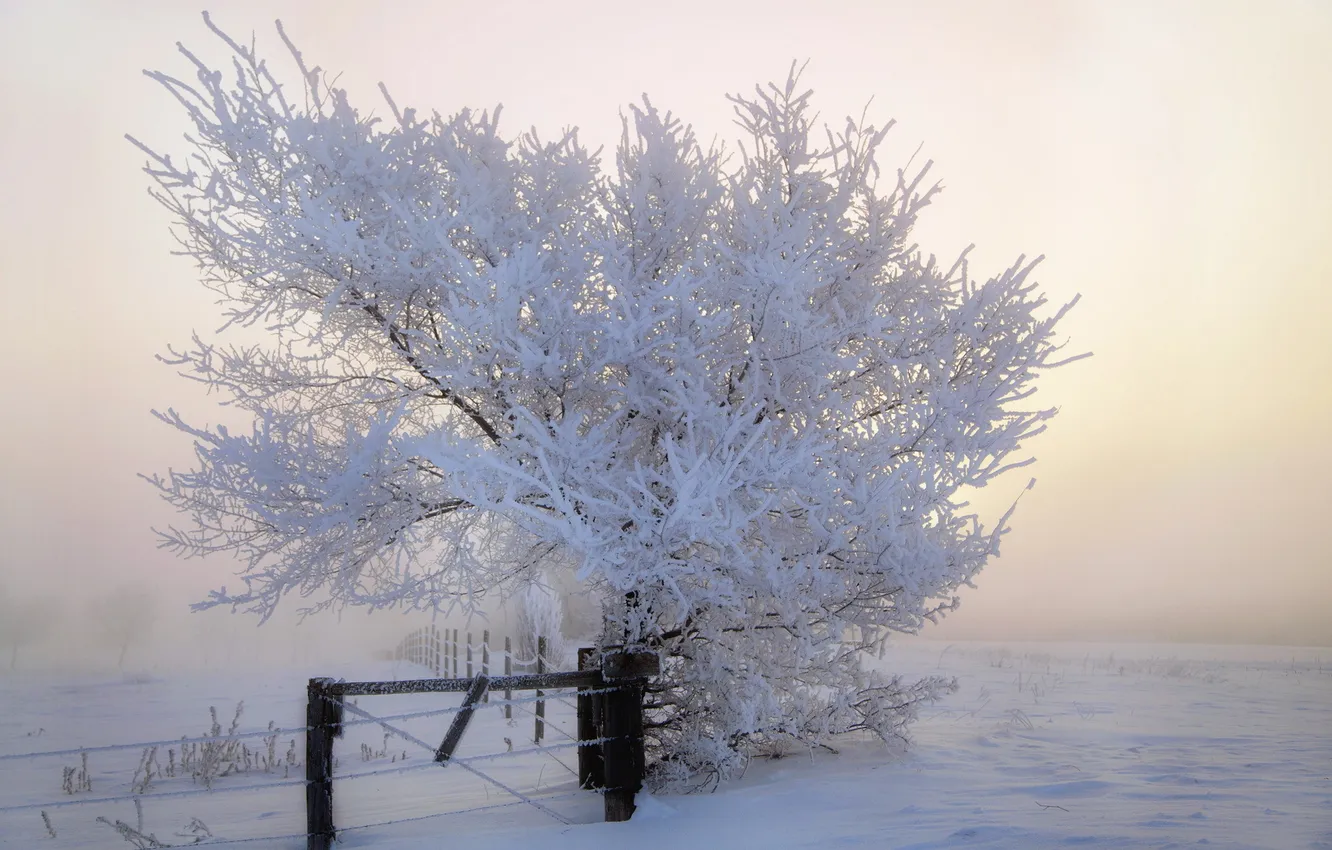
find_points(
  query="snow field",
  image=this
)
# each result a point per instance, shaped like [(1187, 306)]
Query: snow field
[(1042, 746)]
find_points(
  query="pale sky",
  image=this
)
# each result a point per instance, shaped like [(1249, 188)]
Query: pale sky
[(1172, 160)]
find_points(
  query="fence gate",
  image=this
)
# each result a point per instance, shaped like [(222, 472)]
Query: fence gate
[(610, 728)]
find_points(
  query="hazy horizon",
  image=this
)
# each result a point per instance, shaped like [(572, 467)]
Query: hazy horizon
[(1169, 160)]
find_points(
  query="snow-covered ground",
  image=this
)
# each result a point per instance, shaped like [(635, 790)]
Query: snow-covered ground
[(1042, 746)]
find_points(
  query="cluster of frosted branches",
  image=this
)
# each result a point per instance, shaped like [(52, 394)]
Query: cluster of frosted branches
[(540, 615), (726, 389)]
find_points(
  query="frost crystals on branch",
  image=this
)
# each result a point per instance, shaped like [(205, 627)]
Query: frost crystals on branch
[(726, 391)]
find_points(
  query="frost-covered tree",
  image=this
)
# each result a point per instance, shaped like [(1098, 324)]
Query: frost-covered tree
[(540, 614), (726, 389)]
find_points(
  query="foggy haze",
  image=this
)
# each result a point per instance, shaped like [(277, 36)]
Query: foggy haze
[(1170, 161)]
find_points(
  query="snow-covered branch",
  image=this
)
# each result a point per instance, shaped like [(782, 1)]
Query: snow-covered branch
[(728, 389)]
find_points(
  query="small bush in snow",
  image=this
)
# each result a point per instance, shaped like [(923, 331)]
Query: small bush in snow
[(76, 779)]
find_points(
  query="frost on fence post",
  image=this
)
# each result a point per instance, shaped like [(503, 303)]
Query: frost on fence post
[(591, 773), (725, 381), (540, 724), (485, 660), (508, 671), (623, 758), (323, 717), (434, 650)]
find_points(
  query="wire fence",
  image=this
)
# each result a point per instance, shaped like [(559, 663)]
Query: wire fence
[(455, 654), (365, 719), (140, 745), (287, 730), (472, 764), (154, 795), (461, 762)]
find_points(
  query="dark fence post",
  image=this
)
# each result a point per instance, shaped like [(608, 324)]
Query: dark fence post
[(591, 772), (508, 671), (434, 649), (623, 749), (622, 728), (485, 661), (323, 716), (540, 731)]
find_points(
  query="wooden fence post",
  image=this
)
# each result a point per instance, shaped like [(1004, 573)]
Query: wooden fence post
[(591, 771), (323, 716), (623, 749), (469, 655), (434, 649), (622, 728), (455, 653), (508, 671), (485, 661), (540, 703)]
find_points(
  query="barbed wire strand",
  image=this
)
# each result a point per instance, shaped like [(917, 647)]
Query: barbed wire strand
[(210, 843), (473, 810), (545, 721), (211, 739), (290, 730), (413, 819), (544, 749), (541, 750), (494, 703), (279, 733), (465, 766), (188, 792)]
